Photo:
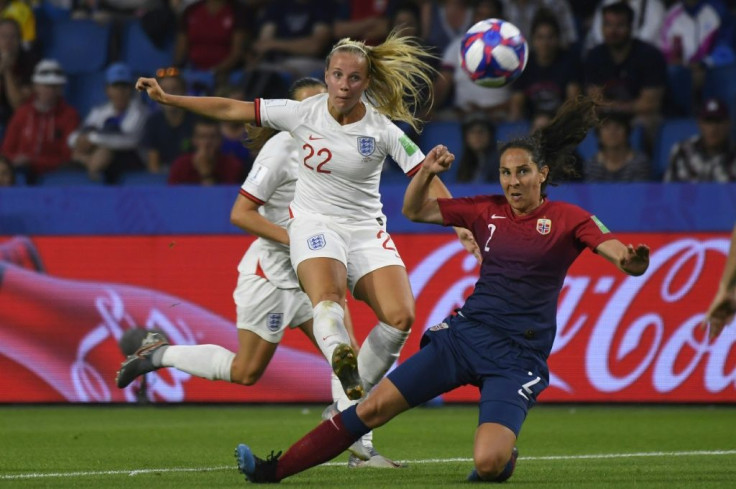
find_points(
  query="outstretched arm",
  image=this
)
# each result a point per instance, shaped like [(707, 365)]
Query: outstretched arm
[(723, 306), (630, 260), (223, 109)]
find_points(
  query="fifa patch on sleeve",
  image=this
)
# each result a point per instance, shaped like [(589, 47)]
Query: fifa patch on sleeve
[(257, 174), (276, 102), (600, 225), (408, 145)]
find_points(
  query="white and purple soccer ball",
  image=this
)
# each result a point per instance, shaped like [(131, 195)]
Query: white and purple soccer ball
[(493, 53)]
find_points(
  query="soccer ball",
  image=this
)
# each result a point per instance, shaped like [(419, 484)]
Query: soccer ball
[(493, 53)]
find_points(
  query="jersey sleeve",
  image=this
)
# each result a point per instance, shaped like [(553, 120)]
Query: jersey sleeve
[(279, 114), (403, 150), (268, 171), (589, 230), (460, 211)]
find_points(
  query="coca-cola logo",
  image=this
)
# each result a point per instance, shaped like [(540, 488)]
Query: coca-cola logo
[(682, 263), (623, 332)]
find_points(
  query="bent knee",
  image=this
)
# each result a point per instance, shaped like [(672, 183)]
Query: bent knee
[(244, 375), (490, 465), (403, 319)]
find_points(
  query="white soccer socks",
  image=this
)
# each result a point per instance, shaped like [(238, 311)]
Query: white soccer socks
[(379, 351), (211, 362), (329, 327)]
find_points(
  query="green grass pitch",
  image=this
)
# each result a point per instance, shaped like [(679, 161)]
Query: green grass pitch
[(191, 446)]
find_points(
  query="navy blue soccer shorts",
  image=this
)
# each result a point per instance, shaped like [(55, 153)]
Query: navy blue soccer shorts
[(460, 351)]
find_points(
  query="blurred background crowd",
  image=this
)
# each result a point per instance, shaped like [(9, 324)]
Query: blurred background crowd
[(69, 112)]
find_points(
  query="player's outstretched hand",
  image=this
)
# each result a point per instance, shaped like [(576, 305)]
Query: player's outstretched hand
[(151, 87), (720, 313), (439, 159), (636, 260)]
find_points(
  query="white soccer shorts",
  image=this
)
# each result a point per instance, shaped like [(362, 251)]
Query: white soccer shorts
[(362, 247), (267, 310)]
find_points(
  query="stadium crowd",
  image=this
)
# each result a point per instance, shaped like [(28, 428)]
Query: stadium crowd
[(69, 114)]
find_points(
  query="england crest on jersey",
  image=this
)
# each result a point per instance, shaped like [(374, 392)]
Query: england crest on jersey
[(544, 226), (275, 320), (316, 242), (366, 145)]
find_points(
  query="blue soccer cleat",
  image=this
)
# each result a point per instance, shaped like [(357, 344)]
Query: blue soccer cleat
[(255, 469)]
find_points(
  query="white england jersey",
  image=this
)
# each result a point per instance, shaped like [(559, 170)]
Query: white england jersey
[(339, 166), (271, 183)]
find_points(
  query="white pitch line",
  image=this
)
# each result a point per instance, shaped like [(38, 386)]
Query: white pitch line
[(694, 453)]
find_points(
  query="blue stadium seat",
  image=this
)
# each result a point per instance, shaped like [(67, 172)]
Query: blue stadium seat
[(507, 131), (719, 82), (679, 98), (671, 131), (67, 177), (85, 90), (80, 46), (447, 133), (144, 178), (137, 50)]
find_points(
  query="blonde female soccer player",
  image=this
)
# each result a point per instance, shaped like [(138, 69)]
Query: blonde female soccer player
[(337, 231)]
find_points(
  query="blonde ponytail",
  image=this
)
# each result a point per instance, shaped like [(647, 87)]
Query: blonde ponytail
[(398, 74)]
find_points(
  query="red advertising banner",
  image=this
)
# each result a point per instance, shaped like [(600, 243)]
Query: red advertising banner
[(66, 301)]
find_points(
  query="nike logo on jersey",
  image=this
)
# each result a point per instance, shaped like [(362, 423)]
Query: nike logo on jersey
[(314, 138), (521, 393), (494, 216)]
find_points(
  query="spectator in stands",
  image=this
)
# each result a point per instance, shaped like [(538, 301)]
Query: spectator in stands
[(698, 34), (709, 156), (235, 135), (630, 75), (206, 165), (693, 29), (36, 137), (552, 73), (16, 68), (406, 19), (521, 13), (647, 24), (295, 36), (583, 11), (479, 157), (108, 142), (455, 89), (445, 20), (7, 173), (168, 131), (22, 13), (616, 160), (212, 36), (368, 21)]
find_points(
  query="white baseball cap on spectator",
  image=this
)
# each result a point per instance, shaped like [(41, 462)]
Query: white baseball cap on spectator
[(48, 72)]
